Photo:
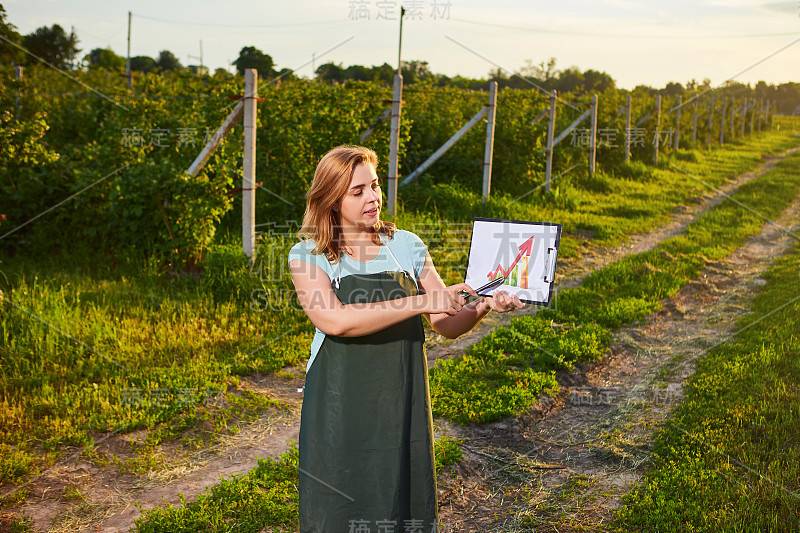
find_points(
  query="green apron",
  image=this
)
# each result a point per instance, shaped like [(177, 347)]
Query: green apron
[(366, 430)]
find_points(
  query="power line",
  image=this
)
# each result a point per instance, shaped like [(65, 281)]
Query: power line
[(218, 25), (533, 29)]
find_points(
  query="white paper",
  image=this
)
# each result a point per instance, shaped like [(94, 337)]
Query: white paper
[(530, 247)]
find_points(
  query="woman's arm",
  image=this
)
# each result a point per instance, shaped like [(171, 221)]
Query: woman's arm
[(326, 312), (455, 325)]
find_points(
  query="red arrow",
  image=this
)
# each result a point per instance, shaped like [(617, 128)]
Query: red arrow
[(524, 249)]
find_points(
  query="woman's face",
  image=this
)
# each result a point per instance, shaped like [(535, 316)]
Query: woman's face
[(361, 206)]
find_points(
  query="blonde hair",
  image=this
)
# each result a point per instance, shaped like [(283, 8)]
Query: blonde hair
[(330, 184)]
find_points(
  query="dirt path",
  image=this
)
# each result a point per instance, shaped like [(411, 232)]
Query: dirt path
[(110, 502), (572, 271), (565, 465)]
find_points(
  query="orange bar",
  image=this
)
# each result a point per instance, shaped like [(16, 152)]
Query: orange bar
[(523, 276)]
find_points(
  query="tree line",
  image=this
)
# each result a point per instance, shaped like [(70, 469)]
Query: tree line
[(59, 48)]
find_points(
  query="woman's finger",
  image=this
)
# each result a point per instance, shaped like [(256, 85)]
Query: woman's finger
[(464, 287)]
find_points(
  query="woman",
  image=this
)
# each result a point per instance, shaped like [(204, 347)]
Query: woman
[(366, 431)]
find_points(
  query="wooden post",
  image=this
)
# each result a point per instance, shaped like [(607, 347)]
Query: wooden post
[(18, 76), (744, 116), (215, 140), (593, 137), (771, 114), (551, 126), (752, 117), (694, 121), (249, 163), (658, 127), (722, 122), (394, 143), (710, 123), (733, 114), (760, 112), (678, 122), (488, 151), (628, 130)]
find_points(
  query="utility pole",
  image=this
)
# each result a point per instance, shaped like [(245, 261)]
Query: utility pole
[(128, 61), (394, 129), (400, 42), (200, 57)]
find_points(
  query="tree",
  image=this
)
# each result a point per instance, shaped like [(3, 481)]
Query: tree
[(252, 57), (597, 82), (416, 70), (569, 80), (104, 58), (330, 72), (357, 73), (143, 64), (167, 61), (53, 45), (543, 71), (9, 53), (673, 89), (383, 74)]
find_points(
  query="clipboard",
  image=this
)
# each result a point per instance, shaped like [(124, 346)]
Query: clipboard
[(523, 253)]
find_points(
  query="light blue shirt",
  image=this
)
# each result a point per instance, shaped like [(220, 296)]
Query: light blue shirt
[(408, 250)]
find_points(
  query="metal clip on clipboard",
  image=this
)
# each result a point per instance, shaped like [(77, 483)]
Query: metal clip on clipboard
[(550, 265)]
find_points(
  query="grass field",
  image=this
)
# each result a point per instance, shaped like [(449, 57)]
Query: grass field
[(729, 459), (504, 373), (93, 344)]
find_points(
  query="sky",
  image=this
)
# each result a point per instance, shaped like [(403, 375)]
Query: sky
[(636, 42)]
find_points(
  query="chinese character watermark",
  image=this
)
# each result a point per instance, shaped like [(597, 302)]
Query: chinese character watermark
[(164, 137), (392, 9)]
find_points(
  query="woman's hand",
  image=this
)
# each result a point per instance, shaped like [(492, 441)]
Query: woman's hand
[(446, 300), (502, 302)]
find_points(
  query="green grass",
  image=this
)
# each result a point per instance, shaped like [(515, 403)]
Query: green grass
[(505, 372), (117, 350), (264, 497), (81, 332), (729, 458)]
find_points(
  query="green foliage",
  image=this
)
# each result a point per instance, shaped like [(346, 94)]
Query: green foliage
[(14, 463), (252, 57), (53, 45), (486, 385), (87, 328), (167, 62), (728, 458), (21, 525), (503, 374), (143, 64), (105, 58), (89, 351), (9, 54), (265, 497), (447, 450)]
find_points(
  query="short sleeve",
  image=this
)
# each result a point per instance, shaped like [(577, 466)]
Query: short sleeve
[(417, 250), (302, 251)]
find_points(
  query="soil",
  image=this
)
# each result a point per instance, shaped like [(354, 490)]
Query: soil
[(562, 466)]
